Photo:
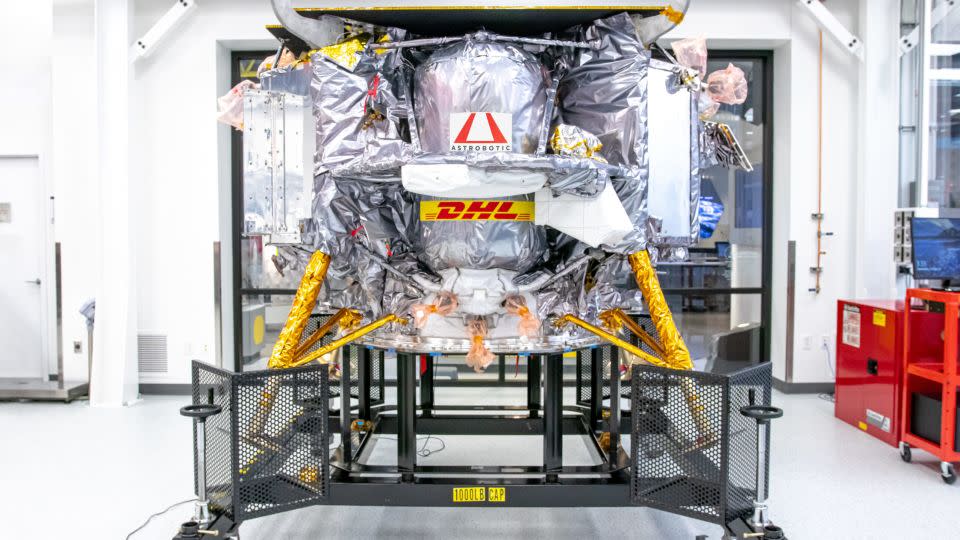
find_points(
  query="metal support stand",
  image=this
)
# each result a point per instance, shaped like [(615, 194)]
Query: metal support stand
[(406, 415), (346, 440), (553, 416), (199, 413), (533, 385), (614, 421), (763, 415), (426, 387), (363, 382), (596, 388)]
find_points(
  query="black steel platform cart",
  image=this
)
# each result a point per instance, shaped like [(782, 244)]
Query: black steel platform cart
[(692, 450)]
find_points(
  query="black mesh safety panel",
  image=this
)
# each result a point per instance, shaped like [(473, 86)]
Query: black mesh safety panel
[(584, 376), (213, 386), (377, 382), (746, 387), (605, 369), (277, 458), (693, 453)]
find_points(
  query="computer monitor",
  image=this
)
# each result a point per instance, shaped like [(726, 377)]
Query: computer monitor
[(936, 248), (723, 250)]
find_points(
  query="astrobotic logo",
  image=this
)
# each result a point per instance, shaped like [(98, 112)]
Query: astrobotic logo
[(476, 210), (487, 135)]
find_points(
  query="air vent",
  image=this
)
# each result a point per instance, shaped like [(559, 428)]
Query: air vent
[(152, 353)]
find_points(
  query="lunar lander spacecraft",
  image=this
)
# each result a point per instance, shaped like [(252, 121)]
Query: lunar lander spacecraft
[(480, 182)]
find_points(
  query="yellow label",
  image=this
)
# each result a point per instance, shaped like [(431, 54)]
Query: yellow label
[(476, 210), (497, 494), (259, 330), (469, 494), (879, 318), (248, 68), (862, 425)]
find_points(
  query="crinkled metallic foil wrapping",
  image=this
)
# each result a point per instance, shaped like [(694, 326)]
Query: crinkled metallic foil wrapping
[(470, 76), (303, 304), (569, 140), (676, 351), (481, 245), (367, 129), (351, 217), (357, 112), (604, 91)]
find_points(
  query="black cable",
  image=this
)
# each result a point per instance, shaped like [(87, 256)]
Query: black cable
[(149, 519), (826, 349), (423, 451)]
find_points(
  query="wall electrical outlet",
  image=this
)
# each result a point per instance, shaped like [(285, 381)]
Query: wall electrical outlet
[(807, 342)]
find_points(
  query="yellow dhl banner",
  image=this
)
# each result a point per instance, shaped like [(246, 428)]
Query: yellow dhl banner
[(476, 210)]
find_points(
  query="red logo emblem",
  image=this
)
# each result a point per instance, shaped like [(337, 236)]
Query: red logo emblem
[(491, 133)]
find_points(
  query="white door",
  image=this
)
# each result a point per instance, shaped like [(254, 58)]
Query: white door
[(21, 268)]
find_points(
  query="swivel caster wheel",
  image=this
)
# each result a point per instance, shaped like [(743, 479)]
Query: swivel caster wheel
[(947, 472), (905, 454)]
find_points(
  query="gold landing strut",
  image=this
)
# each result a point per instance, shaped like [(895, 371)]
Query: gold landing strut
[(674, 349), (348, 319), (303, 303), (615, 319), (352, 336), (625, 345)]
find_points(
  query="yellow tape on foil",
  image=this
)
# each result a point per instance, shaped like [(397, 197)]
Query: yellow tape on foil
[(303, 304), (347, 52), (672, 15), (674, 348)]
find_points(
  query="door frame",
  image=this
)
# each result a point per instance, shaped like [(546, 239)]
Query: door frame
[(766, 271), (236, 220)]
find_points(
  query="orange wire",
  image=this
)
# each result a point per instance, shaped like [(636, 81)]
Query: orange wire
[(819, 163)]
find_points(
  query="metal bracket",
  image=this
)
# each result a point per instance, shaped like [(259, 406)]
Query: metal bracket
[(829, 22), (912, 39), (144, 46)]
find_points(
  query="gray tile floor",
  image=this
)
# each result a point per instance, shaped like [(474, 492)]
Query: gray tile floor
[(71, 471)]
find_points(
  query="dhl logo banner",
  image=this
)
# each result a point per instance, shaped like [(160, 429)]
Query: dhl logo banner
[(476, 210)]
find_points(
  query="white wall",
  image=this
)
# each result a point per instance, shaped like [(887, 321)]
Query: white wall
[(179, 167), (74, 169), (178, 161)]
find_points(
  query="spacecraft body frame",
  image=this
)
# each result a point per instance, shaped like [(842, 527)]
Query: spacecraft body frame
[(494, 170)]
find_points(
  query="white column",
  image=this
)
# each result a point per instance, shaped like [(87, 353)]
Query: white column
[(114, 381), (878, 149)]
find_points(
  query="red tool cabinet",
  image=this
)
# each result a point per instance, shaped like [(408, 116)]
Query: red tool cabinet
[(931, 377), (868, 367)]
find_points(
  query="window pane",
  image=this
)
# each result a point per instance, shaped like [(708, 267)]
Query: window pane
[(261, 319), (737, 241), (724, 327), (258, 267), (948, 30)]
